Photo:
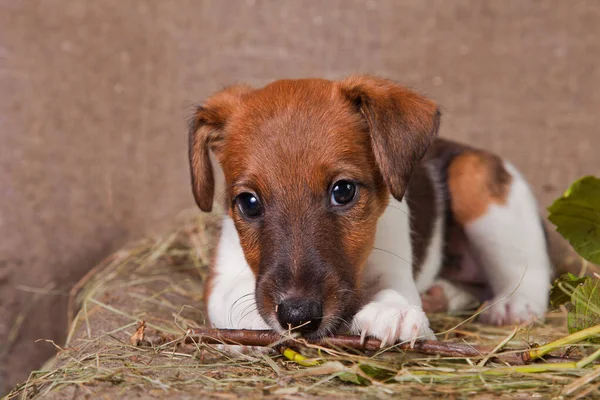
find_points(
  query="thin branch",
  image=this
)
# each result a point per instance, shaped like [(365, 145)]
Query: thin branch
[(264, 338)]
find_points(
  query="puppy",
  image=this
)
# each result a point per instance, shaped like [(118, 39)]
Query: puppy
[(343, 209)]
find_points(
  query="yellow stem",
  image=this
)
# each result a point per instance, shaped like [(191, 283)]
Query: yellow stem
[(298, 358), (502, 371), (589, 359), (587, 333)]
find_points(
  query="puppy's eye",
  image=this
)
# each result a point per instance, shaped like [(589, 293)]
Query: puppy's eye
[(249, 205), (342, 193)]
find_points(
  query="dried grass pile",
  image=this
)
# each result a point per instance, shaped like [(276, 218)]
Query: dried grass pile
[(160, 282)]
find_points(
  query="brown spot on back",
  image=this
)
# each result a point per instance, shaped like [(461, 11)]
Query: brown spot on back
[(476, 179)]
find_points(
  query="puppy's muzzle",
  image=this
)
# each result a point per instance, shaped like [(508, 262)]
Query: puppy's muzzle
[(300, 315)]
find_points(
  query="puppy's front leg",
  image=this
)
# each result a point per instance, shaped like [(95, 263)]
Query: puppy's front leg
[(395, 312)]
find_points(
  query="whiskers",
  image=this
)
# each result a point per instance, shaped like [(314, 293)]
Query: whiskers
[(248, 302), (333, 324), (412, 232), (252, 308), (395, 255), (399, 209)]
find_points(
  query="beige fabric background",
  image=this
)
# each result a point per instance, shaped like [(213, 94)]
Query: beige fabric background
[(94, 98)]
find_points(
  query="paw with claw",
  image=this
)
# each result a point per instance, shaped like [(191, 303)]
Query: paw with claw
[(391, 322)]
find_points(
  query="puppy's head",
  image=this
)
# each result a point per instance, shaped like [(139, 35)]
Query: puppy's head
[(309, 166)]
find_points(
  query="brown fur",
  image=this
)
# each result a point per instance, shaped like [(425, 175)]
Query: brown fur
[(476, 179), (288, 143)]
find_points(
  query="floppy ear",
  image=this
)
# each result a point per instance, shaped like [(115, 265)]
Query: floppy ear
[(206, 132), (402, 125)]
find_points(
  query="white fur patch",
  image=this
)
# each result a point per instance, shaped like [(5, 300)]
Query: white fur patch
[(231, 303), (430, 268), (390, 262), (510, 244)]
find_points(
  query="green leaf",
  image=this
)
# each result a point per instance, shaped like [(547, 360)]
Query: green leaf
[(563, 289), (375, 372), (381, 374), (351, 377), (586, 306), (577, 217)]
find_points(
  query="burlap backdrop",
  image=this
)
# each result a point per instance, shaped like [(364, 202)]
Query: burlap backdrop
[(94, 97)]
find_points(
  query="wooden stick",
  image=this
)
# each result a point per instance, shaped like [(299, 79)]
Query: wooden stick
[(244, 337)]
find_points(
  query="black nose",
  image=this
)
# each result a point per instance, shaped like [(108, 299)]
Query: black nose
[(302, 313)]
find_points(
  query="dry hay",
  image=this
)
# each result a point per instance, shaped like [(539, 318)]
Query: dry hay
[(160, 281)]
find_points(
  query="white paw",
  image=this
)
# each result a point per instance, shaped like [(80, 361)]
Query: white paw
[(392, 322), (516, 309)]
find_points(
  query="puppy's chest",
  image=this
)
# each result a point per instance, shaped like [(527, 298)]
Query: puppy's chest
[(411, 238), (421, 237)]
